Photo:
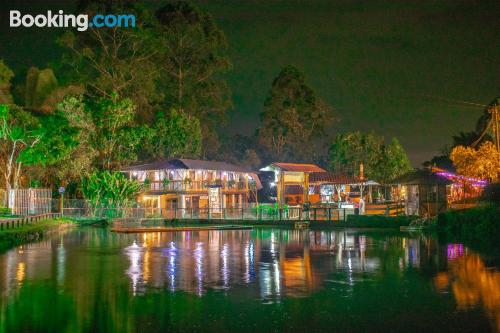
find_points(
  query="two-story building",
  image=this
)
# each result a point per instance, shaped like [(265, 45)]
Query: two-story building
[(185, 183)]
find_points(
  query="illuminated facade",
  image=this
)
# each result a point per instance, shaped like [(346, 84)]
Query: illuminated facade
[(193, 184)]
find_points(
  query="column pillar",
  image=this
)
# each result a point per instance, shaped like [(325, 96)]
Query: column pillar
[(306, 187)]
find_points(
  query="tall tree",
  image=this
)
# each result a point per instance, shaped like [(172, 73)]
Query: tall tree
[(381, 162), (192, 52), (293, 117), (80, 162), (18, 134), (393, 162), (114, 60), (42, 92), (26, 140), (175, 134), (117, 136), (6, 74), (349, 150)]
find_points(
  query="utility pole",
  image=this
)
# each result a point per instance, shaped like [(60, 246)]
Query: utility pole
[(496, 131)]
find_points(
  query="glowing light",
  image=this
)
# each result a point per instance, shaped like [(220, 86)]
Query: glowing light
[(461, 179)]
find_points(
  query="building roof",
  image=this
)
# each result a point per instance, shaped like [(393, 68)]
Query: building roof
[(331, 178), (421, 177), (183, 163), (295, 167)]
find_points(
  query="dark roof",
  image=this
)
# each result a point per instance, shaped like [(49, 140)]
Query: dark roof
[(297, 167), (421, 177), (331, 178), (182, 163)]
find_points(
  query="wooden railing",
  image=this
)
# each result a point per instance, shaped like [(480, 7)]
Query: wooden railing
[(15, 222), (194, 185), (388, 209)]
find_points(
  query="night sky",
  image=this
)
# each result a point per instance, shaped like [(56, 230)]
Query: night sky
[(381, 64)]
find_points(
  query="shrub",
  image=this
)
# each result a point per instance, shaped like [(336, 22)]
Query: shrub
[(491, 194), (109, 191), (371, 221), (5, 211), (478, 226)]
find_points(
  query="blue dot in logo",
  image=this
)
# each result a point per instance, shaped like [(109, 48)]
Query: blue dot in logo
[(91, 24)]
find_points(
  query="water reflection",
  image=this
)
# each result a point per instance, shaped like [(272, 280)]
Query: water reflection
[(268, 265), (275, 262), (472, 282)]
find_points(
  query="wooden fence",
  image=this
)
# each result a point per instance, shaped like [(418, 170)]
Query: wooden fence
[(16, 222)]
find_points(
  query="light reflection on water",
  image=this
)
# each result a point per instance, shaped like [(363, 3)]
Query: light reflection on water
[(269, 265)]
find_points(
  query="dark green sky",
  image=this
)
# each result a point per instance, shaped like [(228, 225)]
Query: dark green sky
[(375, 62)]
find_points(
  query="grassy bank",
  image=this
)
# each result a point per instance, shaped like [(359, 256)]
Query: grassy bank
[(29, 232), (478, 227)]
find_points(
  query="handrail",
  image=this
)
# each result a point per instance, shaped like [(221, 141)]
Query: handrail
[(194, 185)]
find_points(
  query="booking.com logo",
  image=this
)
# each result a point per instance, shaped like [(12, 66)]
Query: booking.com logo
[(61, 20)]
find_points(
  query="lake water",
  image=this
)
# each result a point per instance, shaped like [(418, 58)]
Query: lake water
[(261, 280)]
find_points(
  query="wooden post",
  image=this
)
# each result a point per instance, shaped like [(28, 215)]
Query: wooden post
[(306, 187)]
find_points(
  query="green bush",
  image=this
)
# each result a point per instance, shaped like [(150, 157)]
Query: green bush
[(5, 211), (375, 221), (478, 226), (109, 192)]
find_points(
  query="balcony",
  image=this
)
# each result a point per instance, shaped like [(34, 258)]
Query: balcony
[(193, 186)]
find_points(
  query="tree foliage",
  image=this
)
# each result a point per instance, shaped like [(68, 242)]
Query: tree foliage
[(6, 75), (81, 160), (117, 136), (175, 134), (192, 53), (107, 189), (42, 91), (393, 162), (381, 162), (114, 60), (293, 117), (26, 140), (483, 163)]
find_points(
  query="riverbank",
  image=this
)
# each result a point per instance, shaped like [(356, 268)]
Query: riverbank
[(31, 232), (478, 227)]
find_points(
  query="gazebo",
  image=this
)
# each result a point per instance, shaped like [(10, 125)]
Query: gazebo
[(294, 176), (423, 192)]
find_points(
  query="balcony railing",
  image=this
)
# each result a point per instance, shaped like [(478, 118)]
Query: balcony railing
[(197, 185)]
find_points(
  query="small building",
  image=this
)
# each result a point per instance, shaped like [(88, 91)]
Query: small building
[(423, 192), (292, 181), (186, 183)]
